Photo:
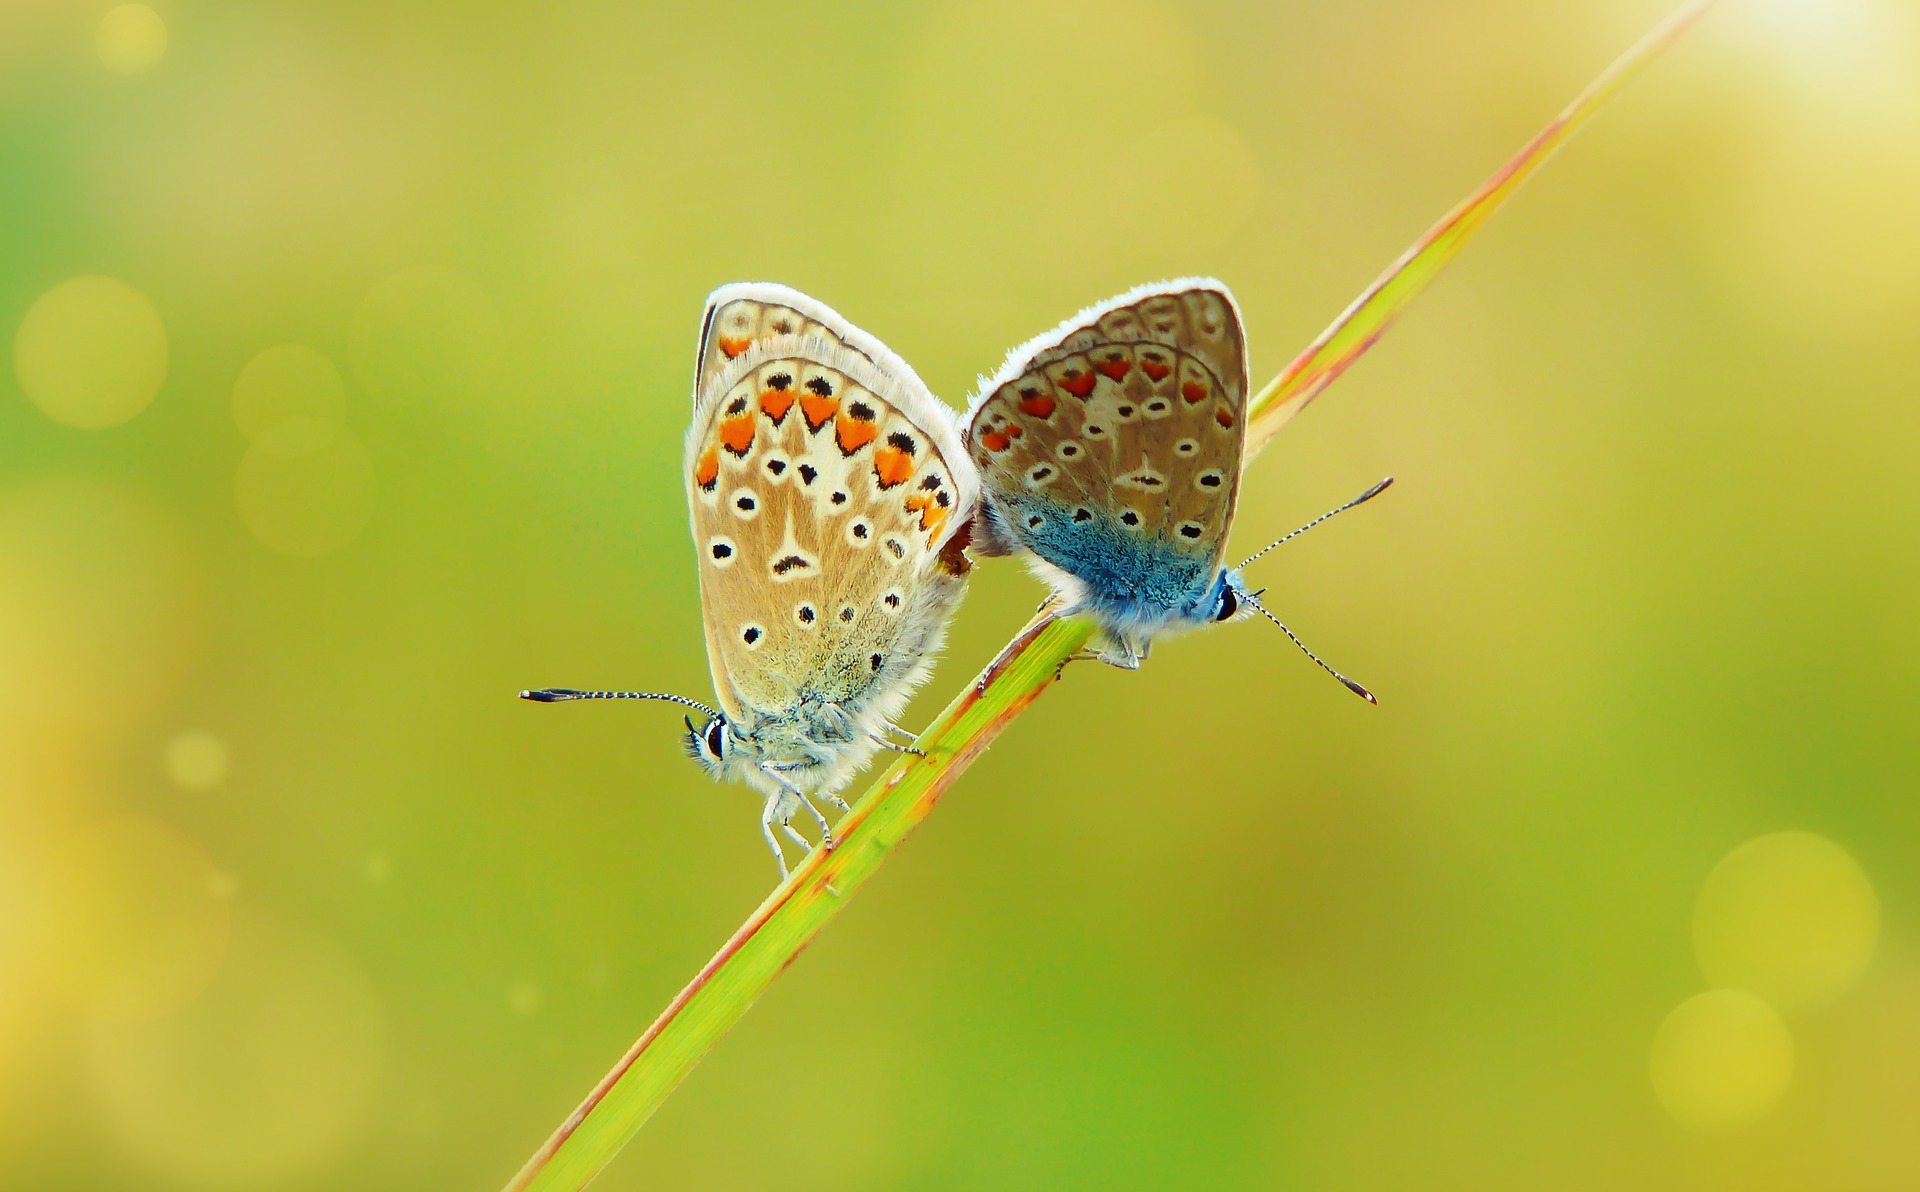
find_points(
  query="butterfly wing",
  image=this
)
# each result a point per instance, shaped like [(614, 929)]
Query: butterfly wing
[(826, 490), (1113, 443), (745, 313)]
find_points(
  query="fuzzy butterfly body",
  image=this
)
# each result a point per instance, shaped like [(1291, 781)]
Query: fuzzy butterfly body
[(830, 495), (1110, 449)]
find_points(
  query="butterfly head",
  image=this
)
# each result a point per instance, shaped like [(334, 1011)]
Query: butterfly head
[(1230, 599), (714, 745)]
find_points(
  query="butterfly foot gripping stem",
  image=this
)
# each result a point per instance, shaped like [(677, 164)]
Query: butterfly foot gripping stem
[(1076, 656), (881, 741)]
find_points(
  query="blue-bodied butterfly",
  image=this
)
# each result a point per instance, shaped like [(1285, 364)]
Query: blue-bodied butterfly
[(1110, 450), (831, 496)]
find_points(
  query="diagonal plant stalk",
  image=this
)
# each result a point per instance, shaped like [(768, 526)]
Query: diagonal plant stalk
[(905, 794)]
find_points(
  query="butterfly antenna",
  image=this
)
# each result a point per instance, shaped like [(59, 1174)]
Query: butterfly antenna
[(556, 695), (1254, 600), (1362, 499)]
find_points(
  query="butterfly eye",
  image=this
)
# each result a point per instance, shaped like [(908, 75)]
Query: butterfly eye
[(1229, 605), (716, 739)]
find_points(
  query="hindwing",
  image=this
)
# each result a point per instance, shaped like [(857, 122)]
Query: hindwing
[(1130, 415)]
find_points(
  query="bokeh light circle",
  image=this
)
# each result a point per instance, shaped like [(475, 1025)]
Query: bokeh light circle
[(262, 1078), (100, 608), (286, 382), (305, 488), (130, 39), (91, 352), (197, 761), (140, 926), (1790, 916), (1721, 1060)]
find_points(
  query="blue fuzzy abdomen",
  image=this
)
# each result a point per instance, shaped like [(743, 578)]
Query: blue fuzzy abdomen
[(1132, 581)]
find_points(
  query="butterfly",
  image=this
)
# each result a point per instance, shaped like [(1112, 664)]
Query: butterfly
[(831, 498), (1110, 450)]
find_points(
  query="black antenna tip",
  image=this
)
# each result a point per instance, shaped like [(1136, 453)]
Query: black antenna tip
[(1376, 490), (1358, 690), (550, 695)]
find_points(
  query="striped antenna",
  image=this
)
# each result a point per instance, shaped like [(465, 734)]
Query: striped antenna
[(556, 695), (1362, 692), (1362, 499)]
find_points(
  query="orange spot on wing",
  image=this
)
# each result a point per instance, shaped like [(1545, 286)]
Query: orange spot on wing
[(736, 434), (816, 409), (853, 434), (733, 347), (1014, 430), (708, 470), (1224, 417), (1040, 405), (775, 403), (1077, 383), (1115, 367), (993, 440), (1193, 391), (930, 511), (893, 466), (1157, 369)]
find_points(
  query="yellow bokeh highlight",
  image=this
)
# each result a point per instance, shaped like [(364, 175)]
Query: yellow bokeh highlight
[(100, 609), (1790, 916), (91, 352), (1721, 1060), (286, 382), (131, 39), (197, 761), (305, 488), (262, 1078), (140, 927)]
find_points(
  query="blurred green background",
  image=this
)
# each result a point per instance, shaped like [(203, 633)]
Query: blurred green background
[(350, 354)]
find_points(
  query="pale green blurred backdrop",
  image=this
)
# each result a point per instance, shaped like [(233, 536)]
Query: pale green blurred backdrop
[(350, 350)]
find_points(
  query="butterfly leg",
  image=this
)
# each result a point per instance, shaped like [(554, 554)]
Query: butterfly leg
[(1126, 655), (883, 743), (766, 829), (790, 790)]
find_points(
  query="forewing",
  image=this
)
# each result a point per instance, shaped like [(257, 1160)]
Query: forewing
[(823, 493), (1133, 409)]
